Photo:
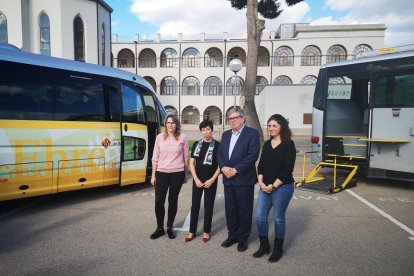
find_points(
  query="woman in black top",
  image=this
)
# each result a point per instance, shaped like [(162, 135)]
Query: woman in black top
[(205, 171), (276, 184)]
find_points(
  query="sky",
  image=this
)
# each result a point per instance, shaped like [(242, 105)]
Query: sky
[(213, 17)]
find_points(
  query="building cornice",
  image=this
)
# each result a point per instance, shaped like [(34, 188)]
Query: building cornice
[(104, 5), (338, 28)]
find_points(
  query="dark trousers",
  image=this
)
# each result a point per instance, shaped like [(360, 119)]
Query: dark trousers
[(165, 181), (209, 197), (239, 210)]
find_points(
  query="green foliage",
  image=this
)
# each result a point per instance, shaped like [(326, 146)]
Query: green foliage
[(238, 4), (267, 8)]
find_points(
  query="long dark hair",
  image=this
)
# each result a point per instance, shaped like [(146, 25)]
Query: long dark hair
[(285, 132), (177, 131)]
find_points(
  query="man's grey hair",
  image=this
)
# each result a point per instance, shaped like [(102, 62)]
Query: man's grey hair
[(236, 109)]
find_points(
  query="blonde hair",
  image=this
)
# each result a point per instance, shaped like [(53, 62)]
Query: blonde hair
[(177, 131)]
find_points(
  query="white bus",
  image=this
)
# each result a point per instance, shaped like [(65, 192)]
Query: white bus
[(363, 110), (67, 125)]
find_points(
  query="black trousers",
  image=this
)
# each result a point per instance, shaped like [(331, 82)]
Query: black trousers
[(165, 182), (238, 202), (209, 197)]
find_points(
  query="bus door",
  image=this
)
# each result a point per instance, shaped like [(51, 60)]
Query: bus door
[(152, 124), (111, 141), (347, 115), (134, 144), (392, 134)]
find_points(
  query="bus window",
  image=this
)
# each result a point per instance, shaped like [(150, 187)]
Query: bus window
[(163, 114), (132, 105), (26, 92), (382, 98), (404, 90), (112, 100), (79, 97), (134, 148), (150, 108), (394, 91), (319, 96)]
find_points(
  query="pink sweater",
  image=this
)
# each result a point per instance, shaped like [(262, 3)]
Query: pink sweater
[(169, 154)]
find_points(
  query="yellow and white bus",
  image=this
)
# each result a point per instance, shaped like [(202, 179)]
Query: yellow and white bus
[(67, 125)]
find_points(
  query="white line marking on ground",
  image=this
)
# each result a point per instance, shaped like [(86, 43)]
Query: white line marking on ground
[(186, 225), (384, 214)]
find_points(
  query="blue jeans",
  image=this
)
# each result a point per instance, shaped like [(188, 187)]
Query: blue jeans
[(279, 199)]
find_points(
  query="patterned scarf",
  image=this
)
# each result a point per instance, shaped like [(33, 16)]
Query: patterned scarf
[(208, 159)]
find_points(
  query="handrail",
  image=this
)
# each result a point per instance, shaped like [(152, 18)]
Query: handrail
[(381, 140), (376, 141)]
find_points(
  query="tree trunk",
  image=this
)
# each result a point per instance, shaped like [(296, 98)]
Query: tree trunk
[(255, 27)]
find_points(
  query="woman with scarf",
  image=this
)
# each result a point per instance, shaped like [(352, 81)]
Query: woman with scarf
[(205, 171)]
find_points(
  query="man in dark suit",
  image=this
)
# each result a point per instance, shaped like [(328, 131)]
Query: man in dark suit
[(238, 152)]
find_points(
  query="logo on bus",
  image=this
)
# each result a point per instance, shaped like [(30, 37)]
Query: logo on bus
[(106, 143)]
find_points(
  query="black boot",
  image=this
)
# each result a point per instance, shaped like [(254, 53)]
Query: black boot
[(264, 247), (277, 251)]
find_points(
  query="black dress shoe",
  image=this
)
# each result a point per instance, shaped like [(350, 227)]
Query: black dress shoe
[(229, 242), (157, 233), (242, 246), (171, 233)]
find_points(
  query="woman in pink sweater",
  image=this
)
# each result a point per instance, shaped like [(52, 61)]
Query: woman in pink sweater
[(169, 169)]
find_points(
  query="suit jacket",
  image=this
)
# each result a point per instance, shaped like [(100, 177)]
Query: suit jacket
[(243, 158)]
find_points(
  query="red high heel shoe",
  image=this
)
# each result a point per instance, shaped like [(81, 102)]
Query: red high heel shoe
[(206, 239), (188, 239)]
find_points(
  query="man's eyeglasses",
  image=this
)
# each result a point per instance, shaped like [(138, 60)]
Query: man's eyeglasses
[(234, 118)]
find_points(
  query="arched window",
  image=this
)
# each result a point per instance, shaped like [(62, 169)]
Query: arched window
[(171, 110), (147, 58), (190, 115), (261, 82), (234, 85), (238, 53), (212, 86), (191, 86), (169, 86), (213, 58), (335, 53), (126, 59), (282, 80), (213, 113), (79, 39), (337, 80), (284, 56), (263, 57), (169, 58), (311, 56), (191, 58), (44, 31), (358, 50), (103, 44), (309, 79), (3, 28), (152, 82)]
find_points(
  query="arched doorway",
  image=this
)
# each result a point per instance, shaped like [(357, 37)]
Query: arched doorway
[(214, 114), (190, 115)]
